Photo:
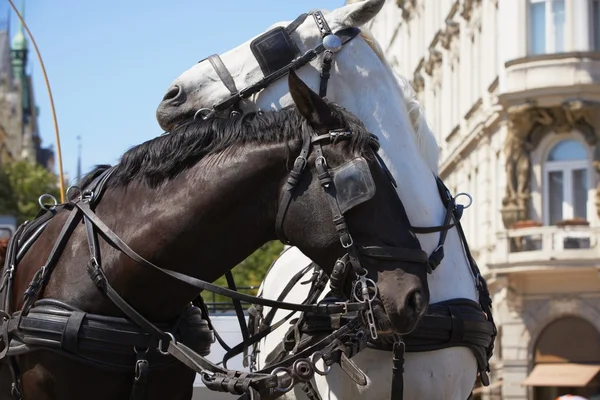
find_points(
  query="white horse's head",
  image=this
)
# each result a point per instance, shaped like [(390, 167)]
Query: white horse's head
[(201, 86), (361, 81)]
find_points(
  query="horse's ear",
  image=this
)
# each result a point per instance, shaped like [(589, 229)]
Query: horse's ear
[(358, 13), (310, 105)]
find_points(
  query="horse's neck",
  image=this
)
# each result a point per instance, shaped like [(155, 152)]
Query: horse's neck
[(202, 223)]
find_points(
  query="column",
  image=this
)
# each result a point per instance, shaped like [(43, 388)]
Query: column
[(580, 26)]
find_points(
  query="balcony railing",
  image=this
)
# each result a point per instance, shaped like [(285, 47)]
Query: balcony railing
[(547, 245)]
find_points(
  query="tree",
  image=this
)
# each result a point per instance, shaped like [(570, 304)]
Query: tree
[(249, 272), (8, 203), (28, 182)]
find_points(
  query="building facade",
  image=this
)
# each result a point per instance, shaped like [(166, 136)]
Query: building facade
[(512, 91)]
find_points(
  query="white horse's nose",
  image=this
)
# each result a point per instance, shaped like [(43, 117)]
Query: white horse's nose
[(172, 94), (173, 108)]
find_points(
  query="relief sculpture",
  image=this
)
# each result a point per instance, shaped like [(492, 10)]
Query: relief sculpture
[(527, 126)]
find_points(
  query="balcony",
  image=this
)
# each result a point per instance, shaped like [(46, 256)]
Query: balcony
[(571, 72), (545, 248)]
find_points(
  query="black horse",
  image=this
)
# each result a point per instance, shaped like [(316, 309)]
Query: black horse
[(198, 201)]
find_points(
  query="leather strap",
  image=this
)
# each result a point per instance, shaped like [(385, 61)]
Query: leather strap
[(223, 73), (114, 240), (345, 35), (398, 371)]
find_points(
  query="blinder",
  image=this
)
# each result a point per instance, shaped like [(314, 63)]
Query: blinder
[(353, 182), (274, 50)]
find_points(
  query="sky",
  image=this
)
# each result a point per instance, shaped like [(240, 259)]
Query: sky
[(110, 62)]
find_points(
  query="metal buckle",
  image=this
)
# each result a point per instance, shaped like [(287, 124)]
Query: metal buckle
[(344, 304), (303, 160), (347, 245)]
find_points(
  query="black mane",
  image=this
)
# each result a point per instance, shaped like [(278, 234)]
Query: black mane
[(164, 157)]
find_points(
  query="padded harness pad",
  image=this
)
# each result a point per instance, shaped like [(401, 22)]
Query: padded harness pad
[(100, 340)]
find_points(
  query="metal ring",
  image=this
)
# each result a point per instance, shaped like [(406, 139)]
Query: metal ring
[(314, 359), (135, 349), (287, 371), (70, 188), (160, 344), (367, 280), (465, 194), (46, 206), (204, 113)]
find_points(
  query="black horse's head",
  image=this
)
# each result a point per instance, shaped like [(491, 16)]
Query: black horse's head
[(360, 201)]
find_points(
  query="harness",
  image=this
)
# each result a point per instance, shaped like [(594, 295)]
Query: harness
[(140, 345), (458, 322), (455, 322)]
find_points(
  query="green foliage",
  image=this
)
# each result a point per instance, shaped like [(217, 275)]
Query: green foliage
[(8, 203), (249, 272), (26, 183)]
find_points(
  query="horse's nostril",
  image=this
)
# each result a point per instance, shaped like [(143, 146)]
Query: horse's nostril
[(415, 301), (172, 93)]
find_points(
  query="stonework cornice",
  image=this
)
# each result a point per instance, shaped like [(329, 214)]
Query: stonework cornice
[(527, 126)]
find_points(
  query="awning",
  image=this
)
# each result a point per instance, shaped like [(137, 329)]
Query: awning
[(487, 389), (563, 374)]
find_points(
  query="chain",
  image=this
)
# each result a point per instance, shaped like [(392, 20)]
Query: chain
[(362, 293)]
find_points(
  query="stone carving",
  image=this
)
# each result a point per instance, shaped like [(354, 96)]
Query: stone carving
[(447, 35), (527, 125), (433, 62), (418, 82), (407, 7), (467, 8)]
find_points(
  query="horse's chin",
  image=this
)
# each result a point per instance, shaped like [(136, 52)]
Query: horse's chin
[(177, 122)]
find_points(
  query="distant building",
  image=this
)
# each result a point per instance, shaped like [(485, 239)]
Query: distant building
[(19, 134), (512, 90)]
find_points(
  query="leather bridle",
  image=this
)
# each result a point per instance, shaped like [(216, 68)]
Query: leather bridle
[(331, 43)]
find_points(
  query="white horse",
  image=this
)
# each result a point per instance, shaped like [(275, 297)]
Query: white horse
[(362, 82)]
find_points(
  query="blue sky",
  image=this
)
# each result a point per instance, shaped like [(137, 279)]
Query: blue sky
[(110, 62)]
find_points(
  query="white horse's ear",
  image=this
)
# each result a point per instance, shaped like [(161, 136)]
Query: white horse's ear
[(358, 13), (310, 105)]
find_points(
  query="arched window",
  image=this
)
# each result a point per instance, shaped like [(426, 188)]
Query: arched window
[(566, 182)]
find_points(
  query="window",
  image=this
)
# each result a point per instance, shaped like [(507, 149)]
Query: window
[(595, 11), (566, 182), (546, 26)]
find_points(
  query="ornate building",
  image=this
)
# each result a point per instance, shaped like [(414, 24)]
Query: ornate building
[(19, 136), (512, 91)]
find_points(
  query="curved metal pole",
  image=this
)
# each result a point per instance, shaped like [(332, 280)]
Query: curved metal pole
[(59, 154)]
